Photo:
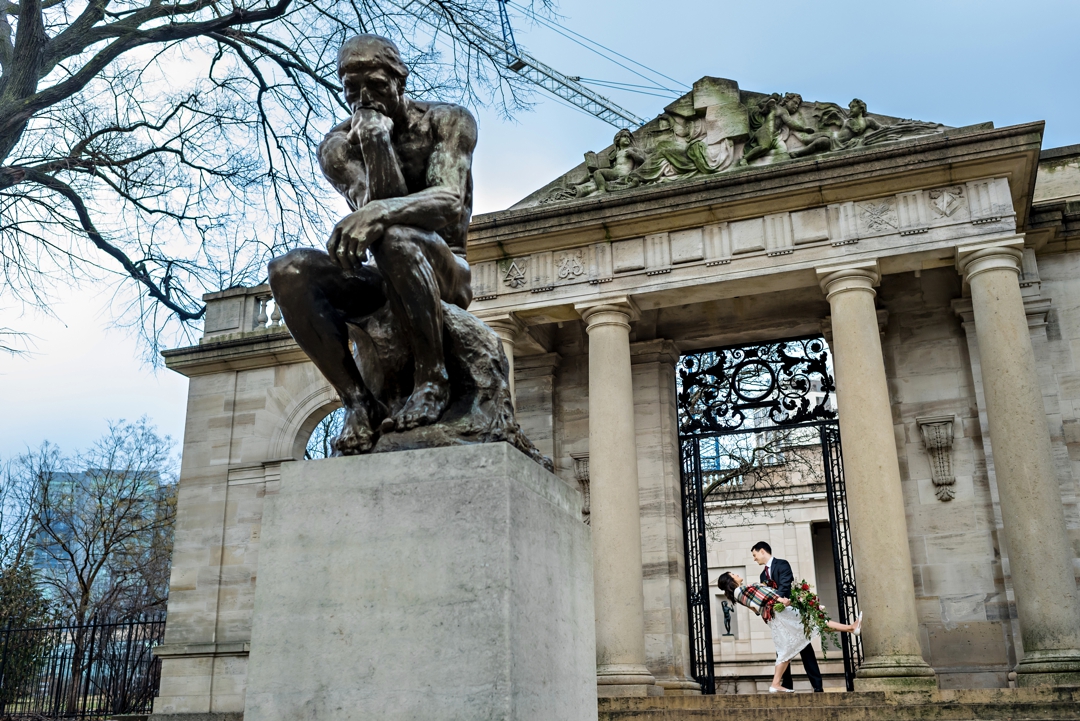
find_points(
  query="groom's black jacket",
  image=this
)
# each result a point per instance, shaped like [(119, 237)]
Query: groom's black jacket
[(782, 576)]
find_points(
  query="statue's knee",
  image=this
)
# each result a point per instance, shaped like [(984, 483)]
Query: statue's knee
[(290, 268)]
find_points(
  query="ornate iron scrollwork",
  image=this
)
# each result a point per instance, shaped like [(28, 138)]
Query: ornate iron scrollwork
[(783, 383)]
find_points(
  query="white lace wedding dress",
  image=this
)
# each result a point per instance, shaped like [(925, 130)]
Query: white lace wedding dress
[(787, 634)]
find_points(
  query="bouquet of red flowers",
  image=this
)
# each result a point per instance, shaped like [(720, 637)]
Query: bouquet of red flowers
[(809, 606)]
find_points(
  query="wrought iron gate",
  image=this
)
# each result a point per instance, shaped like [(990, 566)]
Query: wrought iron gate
[(781, 394)]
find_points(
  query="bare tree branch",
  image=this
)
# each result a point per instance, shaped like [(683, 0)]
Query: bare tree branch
[(172, 144), (137, 272)]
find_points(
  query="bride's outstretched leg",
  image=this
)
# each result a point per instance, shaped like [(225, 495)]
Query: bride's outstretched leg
[(847, 627)]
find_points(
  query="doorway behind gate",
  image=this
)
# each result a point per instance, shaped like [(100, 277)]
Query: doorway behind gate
[(759, 436)]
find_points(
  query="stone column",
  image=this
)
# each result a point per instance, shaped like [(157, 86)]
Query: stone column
[(507, 328), (1040, 556), (535, 399), (893, 656), (656, 425), (616, 513)]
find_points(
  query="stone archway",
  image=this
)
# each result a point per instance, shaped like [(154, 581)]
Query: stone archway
[(291, 437)]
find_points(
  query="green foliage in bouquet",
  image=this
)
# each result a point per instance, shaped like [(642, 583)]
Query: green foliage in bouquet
[(807, 603)]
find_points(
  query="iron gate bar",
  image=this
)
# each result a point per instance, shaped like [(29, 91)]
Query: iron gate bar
[(697, 570), (844, 565)]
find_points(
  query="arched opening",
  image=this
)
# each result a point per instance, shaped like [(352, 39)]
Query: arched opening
[(314, 436)]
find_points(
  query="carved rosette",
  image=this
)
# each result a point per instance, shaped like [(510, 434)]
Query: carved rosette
[(937, 435)]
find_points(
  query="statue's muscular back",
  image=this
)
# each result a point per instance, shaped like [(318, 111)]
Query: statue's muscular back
[(430, 127)]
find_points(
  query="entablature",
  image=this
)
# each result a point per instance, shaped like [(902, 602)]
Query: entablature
[(952, 158), (909, 230)]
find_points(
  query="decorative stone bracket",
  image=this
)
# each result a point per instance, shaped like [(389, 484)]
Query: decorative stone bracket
[(581, 473), (937, 435)]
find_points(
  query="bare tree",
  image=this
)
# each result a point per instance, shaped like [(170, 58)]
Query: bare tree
[(171, 145), (17, 497), (745, 475), (319, 444), (101, 522), (22, 602)]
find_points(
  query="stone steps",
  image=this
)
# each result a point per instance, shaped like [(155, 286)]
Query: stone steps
[(1058, 704)]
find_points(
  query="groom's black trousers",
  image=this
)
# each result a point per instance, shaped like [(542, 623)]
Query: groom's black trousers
[(809, 662)]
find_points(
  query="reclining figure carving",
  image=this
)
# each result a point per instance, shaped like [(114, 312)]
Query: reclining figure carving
[(677, 146), (382, 313)]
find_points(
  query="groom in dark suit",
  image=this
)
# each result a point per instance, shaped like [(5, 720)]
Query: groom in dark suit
[(778, 575)]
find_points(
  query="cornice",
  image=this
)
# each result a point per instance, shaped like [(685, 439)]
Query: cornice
[(237, 352)]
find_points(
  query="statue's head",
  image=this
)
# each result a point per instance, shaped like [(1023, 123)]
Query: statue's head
[(624, 139), (792, 102), (857, 107), (372, 74)]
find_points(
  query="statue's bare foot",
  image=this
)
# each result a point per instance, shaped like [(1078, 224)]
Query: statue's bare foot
[(356, 436), (424, 407)]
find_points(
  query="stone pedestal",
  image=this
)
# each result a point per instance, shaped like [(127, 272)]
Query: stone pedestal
[(444, 584)]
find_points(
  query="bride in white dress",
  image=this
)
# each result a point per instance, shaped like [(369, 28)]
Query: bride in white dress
[(786, 625)]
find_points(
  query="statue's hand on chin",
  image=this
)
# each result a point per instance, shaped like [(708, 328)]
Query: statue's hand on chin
[(354, 234), (367, 122)]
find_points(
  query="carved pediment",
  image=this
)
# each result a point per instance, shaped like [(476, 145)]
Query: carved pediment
[(718, 128)]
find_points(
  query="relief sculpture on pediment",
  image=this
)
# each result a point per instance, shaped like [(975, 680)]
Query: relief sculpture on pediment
[(717, 128)]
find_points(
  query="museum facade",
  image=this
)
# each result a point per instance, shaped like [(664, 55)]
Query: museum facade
[(918, 289)]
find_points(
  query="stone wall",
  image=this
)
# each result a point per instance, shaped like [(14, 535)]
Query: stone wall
[(955, 545), (240, 426), (1060, 281)]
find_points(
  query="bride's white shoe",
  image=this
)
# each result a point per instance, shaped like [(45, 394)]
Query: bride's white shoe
[(858, 626), (773, 689)]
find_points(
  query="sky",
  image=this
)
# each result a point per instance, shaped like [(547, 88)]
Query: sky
[(946, 61)]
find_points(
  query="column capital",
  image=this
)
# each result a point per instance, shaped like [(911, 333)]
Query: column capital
[(974, 259), (618, 311), (506, 325), (864, 276)]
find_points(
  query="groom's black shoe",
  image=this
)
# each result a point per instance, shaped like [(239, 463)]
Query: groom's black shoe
[(810, 665)]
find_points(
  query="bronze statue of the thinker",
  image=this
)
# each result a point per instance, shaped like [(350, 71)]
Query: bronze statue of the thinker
[(383, 313)]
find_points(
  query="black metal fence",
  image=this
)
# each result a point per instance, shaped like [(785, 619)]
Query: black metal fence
[(91, 671)]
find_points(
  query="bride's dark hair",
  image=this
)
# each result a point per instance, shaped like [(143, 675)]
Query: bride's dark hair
[(727, 584)]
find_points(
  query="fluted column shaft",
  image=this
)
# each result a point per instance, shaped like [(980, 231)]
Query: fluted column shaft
[(1040, 555), (893, 656), (616, 514)]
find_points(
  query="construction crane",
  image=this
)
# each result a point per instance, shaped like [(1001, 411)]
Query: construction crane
[(531, 69)]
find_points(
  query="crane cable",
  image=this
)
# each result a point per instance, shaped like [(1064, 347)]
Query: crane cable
[(578, 38)]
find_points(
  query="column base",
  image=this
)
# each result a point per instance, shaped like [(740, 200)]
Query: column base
[(675, 686), (1049, 668), (626, 679), (895, 673), (628, 690)]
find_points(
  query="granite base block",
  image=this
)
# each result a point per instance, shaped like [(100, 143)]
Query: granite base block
[(445, 584)]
